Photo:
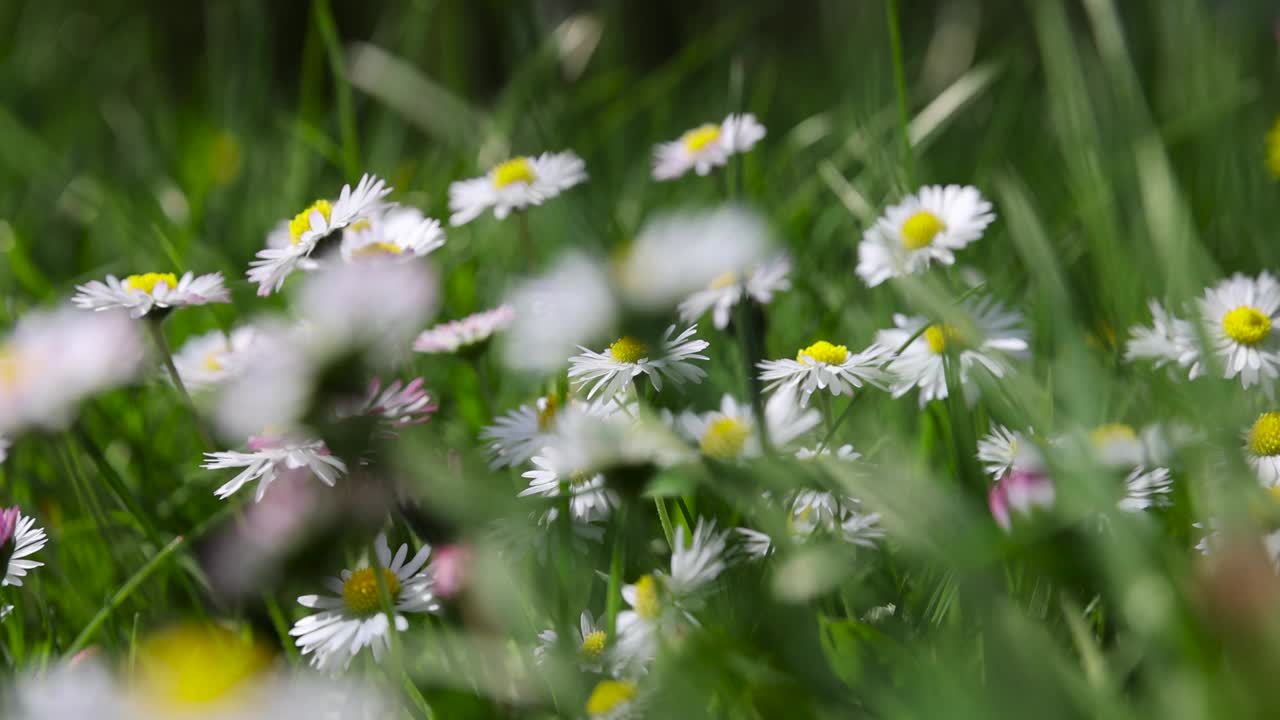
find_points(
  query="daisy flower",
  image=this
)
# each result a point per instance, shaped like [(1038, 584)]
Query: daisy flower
[(924, 228), (677, 254), (270, 457), (394, 406), (612, 700), (819, 510), (401, 233), (209, 359), (589, 498), (752, 544), (518, 435), (466, 333), (556, 312), (53, 359), (611, 435), (998, 448), (352, 618), (1239, 314), (823, 366), (1021, 490), (1001, 336), (731, 432), (139, 294), (628, 358), (368, 305), (515, 185), (289, 247), (591, 639), (1262, 441), (729, 288), (1145, 489), (1168, 340), (19, 539), (706, 146)]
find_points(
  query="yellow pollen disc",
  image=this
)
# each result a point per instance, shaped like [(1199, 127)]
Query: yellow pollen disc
[(700, 137), (1274, 492), (197, 665), (376, 249), (550, 405), (1112, 432), (628, 349), (513, 171), (146, 282), (10, 367), (1246, 325), (823, 352), (360, 591), (608, 695), (580, 479), (646, 604), (725, 438), (724, 280), (593, 644), (213, 361), (920, 229), (1264, 436), (938, 336), (302, 221), (361, 224)]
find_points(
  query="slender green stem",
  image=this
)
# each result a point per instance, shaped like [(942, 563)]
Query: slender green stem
[(396, 661), (117, 486), (123, 594), (482, 381), (341, 87), (281, 626), (749, 333), (666, 522), (900, 84), (613, 601), (162, 346)]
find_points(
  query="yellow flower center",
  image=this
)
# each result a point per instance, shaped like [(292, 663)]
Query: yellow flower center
[(608, 695), (823, 352), (724, 280), (920, 229), (361, 224), (593, 644), (547, 410), (10, 367), (146, 282), (213, 361), (1264, 436), (515, 170), (700, 137), (302, 221), (938, 336), (580, 479), (628, 349), (646, 603), (1112, 432), (725, 438), (1246, 325), (360, 591), (196, 665), (376, 249)]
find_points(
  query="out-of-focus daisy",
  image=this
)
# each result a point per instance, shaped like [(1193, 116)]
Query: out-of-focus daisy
[(1145, 489), (401, 233), (1273, 149), (556, 312), (468, 332), (752, 544), (211, 358), (677, 254), (5, 442), (1001, 335), (998, 449), (53, 359), (844, 452), (289, 246), (1021, 490), (628, 358), (375, 306), (269, 457), (823, 366), (19, 539), (1263, 444), (927, 227), (820, 510), (515, 185), (1168, 340), (612, 700), (732, 432), (395, 405), (590, 638), (518, 435), (352, 618), (730, 288), (139, 294), (706, 146), (589, 498)]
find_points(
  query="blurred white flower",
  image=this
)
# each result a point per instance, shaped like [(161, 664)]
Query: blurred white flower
[(289, 246), (1001, 336), (5, 442), (728, 289), (19, 539), (352, 618), (272, 383), (678, 254), (706, 146), (515, 185), (590, 638), (139, 294), (998, 448), (590, 499), (399, 233), (613, 700), (471, 330), (924, 228), (1169, 340), (518, 435), (1145, 489), (557, 312), (628, 358), (731, 432), (210, 359), (823, 366), (602, 436), (269, 458), (54, 359), (394, 406), (372, 305)]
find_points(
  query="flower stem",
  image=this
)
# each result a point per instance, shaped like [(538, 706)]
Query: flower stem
[(162, 346), (666, 522), (750, 321)]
